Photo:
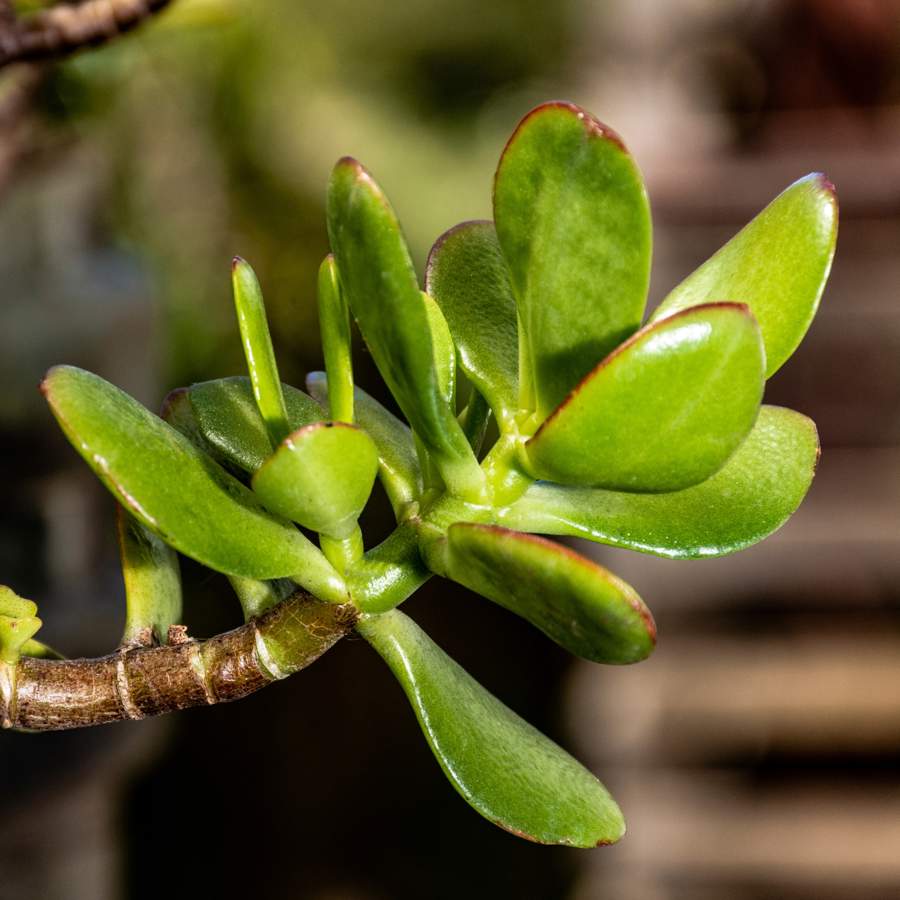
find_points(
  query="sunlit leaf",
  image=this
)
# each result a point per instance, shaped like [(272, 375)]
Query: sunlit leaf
[(664, 411), (574, 225), (398, 466), (754, 494), (320, 476), (467, 275), (777, 264), (380, 284), (577, 603), (334, 325), (506, 769), (177, 491), (251, 315)]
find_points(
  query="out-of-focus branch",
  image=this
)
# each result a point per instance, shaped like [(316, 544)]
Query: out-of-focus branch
[(63, 29)]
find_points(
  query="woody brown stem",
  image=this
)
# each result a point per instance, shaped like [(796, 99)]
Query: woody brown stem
[(65, 28), (51, 695)]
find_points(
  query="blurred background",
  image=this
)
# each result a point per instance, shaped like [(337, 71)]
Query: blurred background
[(756, 753)]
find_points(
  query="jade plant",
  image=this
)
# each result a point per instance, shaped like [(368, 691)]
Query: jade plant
[(650, 437)]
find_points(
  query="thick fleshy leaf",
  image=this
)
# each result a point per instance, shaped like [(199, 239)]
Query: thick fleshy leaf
[(320, 476), (574, 224), (575, 602), (152, 582), (379, 281), (754, 494), (334, 326), (777, 264), (18, 625), (467, 275), (662, 412), (502, 766), (398, 466), (389, 573), (177, 491), (229, 422), (251, 315), (444, 350)]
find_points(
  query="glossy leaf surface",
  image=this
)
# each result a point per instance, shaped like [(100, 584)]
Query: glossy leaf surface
[(334, 325), (379, 281), (398, 466), (573, 221), (444, 350), (251, 316), (229, 422), (664, 411), (777, 264), (467, 275), (174, 489), (320, 476), (507, 770), (754, 494), (152, 581), (575, 602)]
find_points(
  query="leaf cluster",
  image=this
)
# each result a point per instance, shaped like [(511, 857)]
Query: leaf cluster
[(649, 435)]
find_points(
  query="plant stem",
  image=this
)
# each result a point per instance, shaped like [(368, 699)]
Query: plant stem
[(51, 695)]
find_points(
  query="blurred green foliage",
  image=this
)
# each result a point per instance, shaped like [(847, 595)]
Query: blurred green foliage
[(221, 119)]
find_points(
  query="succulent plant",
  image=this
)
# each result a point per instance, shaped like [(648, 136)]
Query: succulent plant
[(647, 437)]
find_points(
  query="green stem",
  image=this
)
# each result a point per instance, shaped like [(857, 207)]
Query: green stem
[(343, 552)]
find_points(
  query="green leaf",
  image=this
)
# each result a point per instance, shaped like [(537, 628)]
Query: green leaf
[(39, 650), (507, 770), (777, 264), (664, 411), (467, 275), (575, 602), (444, 350), (398, 466), (176, 490), (152, 582), (389, 573), (379, 281), (229, 422), (320, 476), (334, 325), (475, 419), (754, 494), (574, 225), (251, 315), (18, 625)]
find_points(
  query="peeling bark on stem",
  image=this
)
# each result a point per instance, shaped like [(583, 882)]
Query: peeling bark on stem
[(135, 682)]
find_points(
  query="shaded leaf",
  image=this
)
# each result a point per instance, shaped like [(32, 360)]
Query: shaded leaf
[(467, 275), (573, 221), (398, 466), (229, 422), (754, 494), (575, 602), (251, 316), (662, 412), (152, 581), (176, 490), (320, 476), (502, 766), (777, 264)]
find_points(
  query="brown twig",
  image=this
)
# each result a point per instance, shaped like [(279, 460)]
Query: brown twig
[(66, 28), (135, 682)]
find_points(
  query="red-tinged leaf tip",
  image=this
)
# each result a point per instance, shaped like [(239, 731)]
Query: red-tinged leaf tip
[(439, 243), (592, 125), (236, 262), (826, 184), (638, 335)]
